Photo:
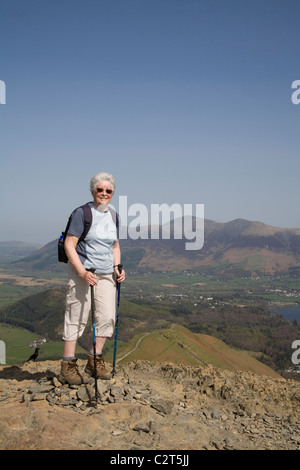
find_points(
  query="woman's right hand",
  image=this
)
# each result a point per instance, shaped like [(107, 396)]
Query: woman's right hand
[(89, 277), (70, 248)]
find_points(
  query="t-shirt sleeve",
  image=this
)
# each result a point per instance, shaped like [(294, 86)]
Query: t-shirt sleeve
[(77, 223)]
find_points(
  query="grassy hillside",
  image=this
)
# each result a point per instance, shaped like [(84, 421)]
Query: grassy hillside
[(174, 344), (17, 342), (178, 345), (250, 327)]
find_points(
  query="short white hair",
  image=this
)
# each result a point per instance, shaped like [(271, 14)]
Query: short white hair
[(102, 176)]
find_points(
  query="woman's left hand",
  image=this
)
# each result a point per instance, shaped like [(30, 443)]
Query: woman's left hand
[(120, 276)]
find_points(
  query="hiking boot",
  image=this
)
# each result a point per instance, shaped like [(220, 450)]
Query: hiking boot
[(70, 374), (102, 372)]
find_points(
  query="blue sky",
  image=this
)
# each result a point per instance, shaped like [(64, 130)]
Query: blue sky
[(183, 101)]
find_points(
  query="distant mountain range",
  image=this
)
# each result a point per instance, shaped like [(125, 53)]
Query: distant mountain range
[(236, 247), (14, 250)]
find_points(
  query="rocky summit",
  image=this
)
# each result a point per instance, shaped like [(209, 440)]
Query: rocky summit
[(147, 406)]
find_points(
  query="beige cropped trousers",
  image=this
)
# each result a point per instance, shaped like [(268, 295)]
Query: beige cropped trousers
[(78, 306)]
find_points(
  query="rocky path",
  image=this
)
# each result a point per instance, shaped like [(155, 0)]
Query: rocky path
[(148, 406)]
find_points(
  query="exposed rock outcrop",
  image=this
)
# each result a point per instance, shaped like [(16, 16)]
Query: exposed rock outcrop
[(148, 406)]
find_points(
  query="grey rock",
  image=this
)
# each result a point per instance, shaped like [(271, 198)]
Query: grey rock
[(163, 406)]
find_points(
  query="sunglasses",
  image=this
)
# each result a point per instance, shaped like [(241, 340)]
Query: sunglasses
[(101, 190)]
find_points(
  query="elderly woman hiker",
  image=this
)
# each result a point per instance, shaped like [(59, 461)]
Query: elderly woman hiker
[(99, 250)]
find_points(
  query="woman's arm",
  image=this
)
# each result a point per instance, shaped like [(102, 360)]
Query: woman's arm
[(70, 249), (117, 260)]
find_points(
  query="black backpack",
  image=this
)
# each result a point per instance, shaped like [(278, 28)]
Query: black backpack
[(88, 218)]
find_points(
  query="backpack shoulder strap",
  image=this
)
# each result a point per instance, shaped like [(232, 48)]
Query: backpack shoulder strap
[(88, 218)]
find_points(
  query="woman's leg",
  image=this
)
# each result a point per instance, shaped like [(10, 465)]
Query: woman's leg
[(100, 341), (105, 309), (69, 349)]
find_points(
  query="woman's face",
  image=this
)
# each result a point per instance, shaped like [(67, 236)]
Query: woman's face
[(102, 193)]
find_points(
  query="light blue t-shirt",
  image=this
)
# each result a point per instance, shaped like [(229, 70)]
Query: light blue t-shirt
[(96, 250)]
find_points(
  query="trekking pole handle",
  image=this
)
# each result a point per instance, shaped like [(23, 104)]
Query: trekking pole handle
[(91, 270), (119, 266)]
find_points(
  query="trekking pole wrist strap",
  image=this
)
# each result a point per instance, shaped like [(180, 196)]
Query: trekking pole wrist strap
[(119, 266)]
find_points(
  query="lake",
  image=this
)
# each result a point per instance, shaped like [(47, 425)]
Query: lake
[(290, 313)]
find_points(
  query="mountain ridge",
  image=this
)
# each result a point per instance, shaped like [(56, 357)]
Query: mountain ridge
[(179, 345), (237, 246)]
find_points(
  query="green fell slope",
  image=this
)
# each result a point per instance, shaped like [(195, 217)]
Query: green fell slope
[(179, 345)]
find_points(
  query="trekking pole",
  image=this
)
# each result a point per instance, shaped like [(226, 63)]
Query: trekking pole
[(94, 337), (120, 266)]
